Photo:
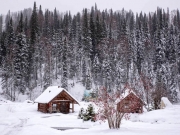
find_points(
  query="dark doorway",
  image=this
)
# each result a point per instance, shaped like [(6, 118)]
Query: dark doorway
[(64, 106)]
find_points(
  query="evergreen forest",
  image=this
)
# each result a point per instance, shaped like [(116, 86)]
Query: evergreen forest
[(95, 48)]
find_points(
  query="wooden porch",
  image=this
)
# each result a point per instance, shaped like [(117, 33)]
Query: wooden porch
[(61, 106)]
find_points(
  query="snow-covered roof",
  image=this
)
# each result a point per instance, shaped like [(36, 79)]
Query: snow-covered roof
[(50, 93), (125, 94)]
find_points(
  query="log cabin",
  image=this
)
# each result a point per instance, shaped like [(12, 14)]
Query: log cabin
[(130, 103), (56, 99)]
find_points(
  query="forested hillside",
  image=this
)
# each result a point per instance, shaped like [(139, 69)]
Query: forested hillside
[(97, 48)]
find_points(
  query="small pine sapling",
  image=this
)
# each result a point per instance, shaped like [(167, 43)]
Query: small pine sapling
[(81, 113), (89, 114)]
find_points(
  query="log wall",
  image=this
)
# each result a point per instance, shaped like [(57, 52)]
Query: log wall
[(43, 107), (130, 104)]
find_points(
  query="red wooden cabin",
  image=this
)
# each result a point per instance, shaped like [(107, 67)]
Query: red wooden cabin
[(130, 104)]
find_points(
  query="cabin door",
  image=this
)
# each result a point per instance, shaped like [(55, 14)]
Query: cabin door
[(64, 107)]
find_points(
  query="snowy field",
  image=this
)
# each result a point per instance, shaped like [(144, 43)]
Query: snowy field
[(23, 119)]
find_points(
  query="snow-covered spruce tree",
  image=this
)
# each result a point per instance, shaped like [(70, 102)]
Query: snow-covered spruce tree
[(1, 24), (118, 77), (55, 52), (88, 81), (33, 41), (178, 60), (124, 49), (104, 26), (159, 45), (66, 23), (72, 50), (84, 70), (21, 59), (93, 32), (140, 47), (56, 25), (96, 69), (2, 48), (79, 50), (147, 68), (64, 79), (86, 39), (99, 30), (133, 49), (171, 66), (40, 19), (112, 63), (48, 52), (89, 114), (59, 51), (8, 66), (81, 113), (107, 74)]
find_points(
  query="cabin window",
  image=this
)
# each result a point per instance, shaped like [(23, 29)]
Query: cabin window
[(54, 107), (126, 106)]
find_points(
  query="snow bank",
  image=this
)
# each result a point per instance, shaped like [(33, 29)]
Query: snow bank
[(168, 115), (2, 100), (165, 102), (20, 97), (28, 101)]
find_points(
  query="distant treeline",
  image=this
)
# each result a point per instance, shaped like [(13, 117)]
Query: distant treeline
[(97, 48)]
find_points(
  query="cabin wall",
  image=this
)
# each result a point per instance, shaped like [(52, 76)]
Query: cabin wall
[(59, 106), (130, 104), (43, 107)]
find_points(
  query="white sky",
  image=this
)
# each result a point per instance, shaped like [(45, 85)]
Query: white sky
[(77, 5)]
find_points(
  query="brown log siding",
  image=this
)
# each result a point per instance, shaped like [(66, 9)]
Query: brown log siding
[(130, 104), (43, 107)]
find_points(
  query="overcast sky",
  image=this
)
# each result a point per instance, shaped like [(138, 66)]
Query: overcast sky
[(77, 5)]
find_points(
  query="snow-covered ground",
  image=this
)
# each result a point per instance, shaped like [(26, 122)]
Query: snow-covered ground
[(23, 119)]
